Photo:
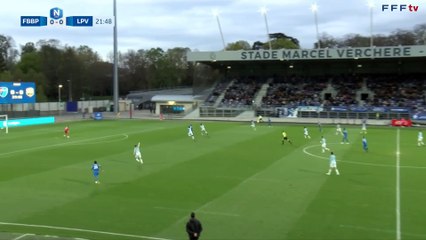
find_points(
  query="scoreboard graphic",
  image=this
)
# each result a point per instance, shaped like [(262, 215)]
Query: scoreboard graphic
[(17, 92), (57, 18)]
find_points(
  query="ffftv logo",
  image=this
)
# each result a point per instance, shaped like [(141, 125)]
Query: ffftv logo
[(399, 8)]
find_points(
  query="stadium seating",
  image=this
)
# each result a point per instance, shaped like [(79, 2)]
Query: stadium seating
[(324, 91)]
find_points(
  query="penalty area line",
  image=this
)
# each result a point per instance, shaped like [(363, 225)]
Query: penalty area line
[(23, 236), (60, 144), (82, 230), (305, 150)]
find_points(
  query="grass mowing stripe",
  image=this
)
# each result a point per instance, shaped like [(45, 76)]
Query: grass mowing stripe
[(232, 170), (82, 230), (291, 198), (206, 152), (83, 141), (254, 195), (382, 230), (398, 194), (205, 212)]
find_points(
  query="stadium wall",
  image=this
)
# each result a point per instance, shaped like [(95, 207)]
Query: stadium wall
[(49, 108)]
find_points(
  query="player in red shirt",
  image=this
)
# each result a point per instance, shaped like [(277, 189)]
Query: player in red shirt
[(67, 132)]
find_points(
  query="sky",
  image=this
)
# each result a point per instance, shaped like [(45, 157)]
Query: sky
[(145, 24)]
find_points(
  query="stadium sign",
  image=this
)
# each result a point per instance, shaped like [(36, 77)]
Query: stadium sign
[(17, 92), (20, 122), (311, 54), (420, 116)]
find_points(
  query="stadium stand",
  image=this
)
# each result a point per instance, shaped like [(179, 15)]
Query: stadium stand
[(330, 93), (241, 93)]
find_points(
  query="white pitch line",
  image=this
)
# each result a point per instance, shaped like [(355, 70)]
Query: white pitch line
[(73, 142), (398, 188), (59, 144), (24, 235), (125, 136), (358, 163), (83, 230)]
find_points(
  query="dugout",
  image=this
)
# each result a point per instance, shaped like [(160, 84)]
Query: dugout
[(142, 99), (176, 105)]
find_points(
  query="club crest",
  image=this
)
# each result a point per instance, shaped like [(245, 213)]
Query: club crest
[(3, 92)]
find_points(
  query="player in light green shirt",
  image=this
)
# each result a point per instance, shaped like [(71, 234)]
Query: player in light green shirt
[(285, 138), (333, 164)]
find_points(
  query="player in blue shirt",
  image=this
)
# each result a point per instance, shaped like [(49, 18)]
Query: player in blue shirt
[(364, 144), (95, 169), (345, 136), (333, 164)]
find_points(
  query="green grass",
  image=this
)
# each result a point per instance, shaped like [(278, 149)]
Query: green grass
[(242, 184)]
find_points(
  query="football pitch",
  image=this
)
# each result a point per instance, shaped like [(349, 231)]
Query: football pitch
[(241, 183)]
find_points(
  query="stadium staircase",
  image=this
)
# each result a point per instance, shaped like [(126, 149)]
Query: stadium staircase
[(257, 101), (261, 93), (222, 95), (364, 90), (329, 89), (193, 115), (245, 115)]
